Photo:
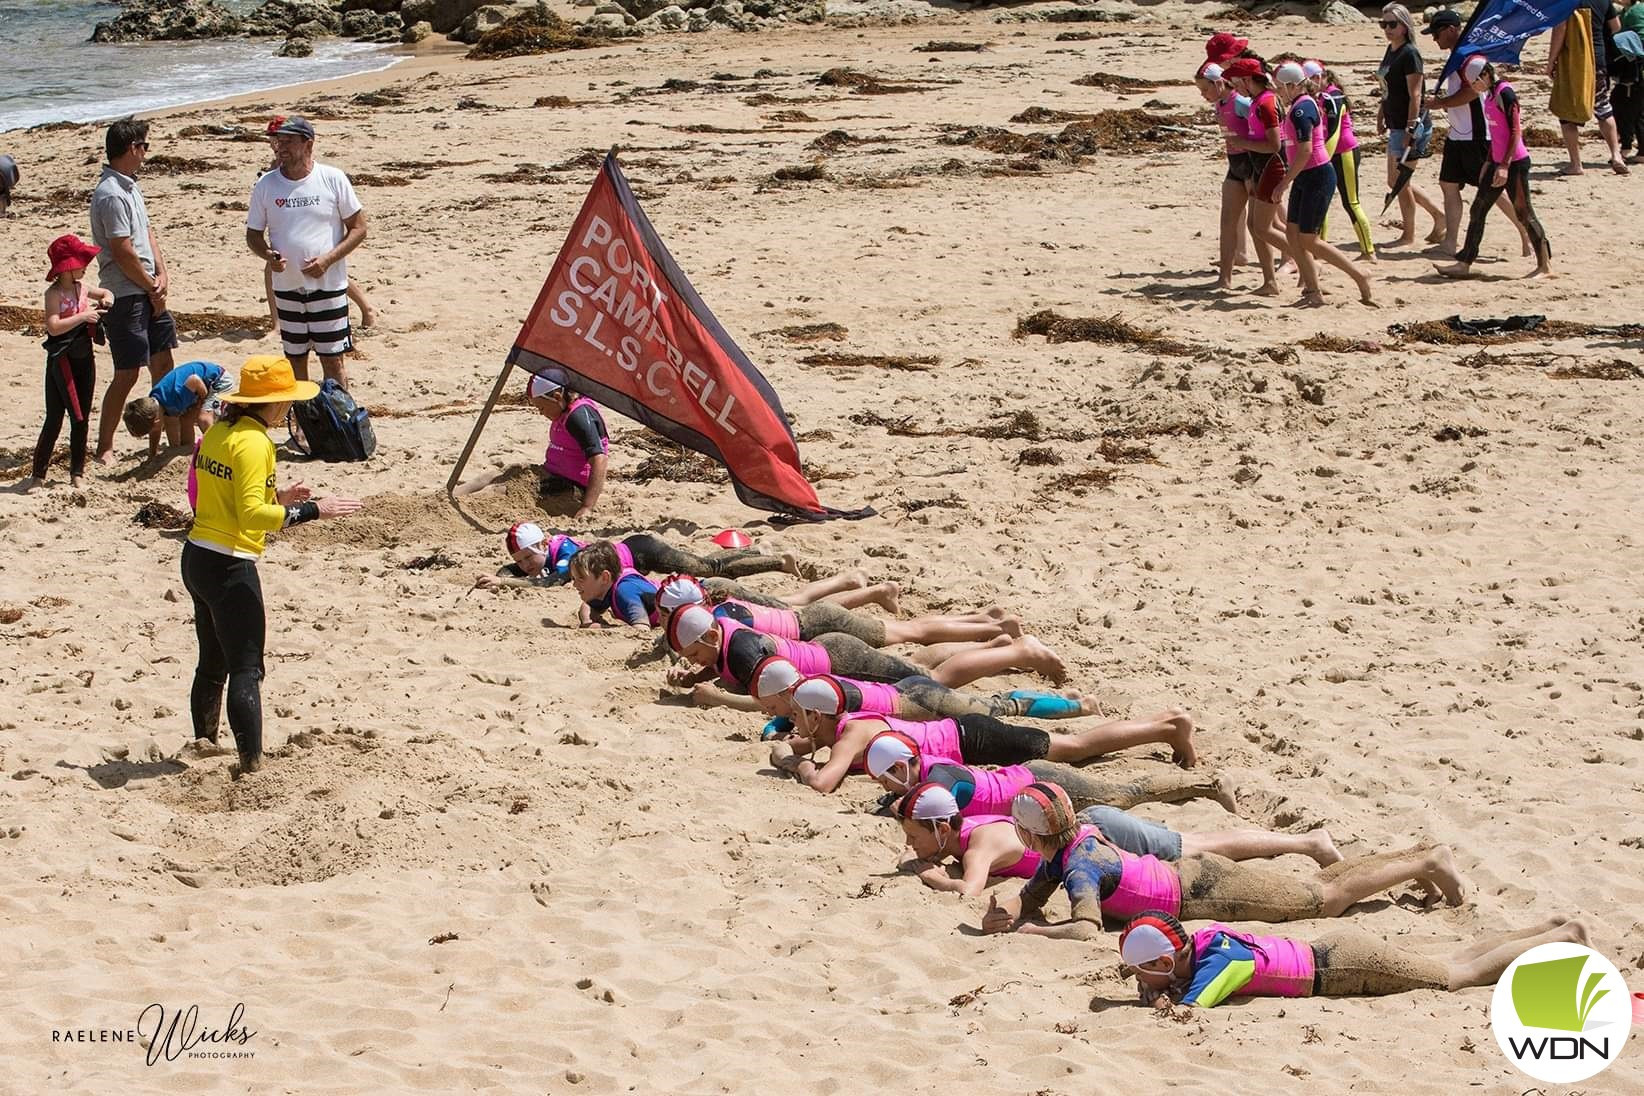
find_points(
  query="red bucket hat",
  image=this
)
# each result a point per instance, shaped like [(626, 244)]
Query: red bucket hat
[(1223, 47), (1244, 66), (69, 253)]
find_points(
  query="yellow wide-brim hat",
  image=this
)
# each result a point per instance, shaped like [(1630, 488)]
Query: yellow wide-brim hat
[(267, 378)]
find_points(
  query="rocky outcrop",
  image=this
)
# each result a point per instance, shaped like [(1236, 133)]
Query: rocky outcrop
[(168, 21), (700, 15), (444, 16), (483, 19), (1338, 13)]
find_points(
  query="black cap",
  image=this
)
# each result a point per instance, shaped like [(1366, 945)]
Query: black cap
[(8, 174), (1441, 19), (296, 126)]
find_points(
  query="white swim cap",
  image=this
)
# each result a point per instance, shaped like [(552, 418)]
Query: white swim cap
[(1289, 73), (820, 694), (523, 535), (1212, 71), (888, 748), (930, 803), (773, 675), (1474, 67), (688, 625), (1311, 69), (1043, 809), (678, 591), (1143, 944)]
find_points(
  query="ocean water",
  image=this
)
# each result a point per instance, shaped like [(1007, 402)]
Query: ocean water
[(50, 72)]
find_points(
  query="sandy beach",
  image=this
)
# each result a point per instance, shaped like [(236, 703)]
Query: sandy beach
[(1394, 580)]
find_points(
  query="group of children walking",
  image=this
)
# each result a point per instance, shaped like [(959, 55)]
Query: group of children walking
[(1287, 127), (1009, 800)]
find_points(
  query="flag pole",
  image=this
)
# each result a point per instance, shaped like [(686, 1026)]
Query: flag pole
[(473, 440)]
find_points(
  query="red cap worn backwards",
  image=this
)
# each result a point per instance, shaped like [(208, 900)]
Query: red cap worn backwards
[(1244, 66)]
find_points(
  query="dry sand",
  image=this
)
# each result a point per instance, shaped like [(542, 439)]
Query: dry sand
[(1396, 584)]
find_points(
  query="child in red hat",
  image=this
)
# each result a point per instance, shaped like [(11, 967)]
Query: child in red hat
[(72, 312)]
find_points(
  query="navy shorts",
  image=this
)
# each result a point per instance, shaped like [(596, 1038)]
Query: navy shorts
[(1310, 198), (1240, 167), (135, 333), (1135, 835)]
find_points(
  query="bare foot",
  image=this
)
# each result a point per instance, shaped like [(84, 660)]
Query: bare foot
[(1436, 236), (245, 767), (28, 484), (1011, 625), (1041, 659), (1268, 289), (1181, 738), (368, 318), (1619, 166), (1577, 932), (888, 596), (1445, 876), (1540, 272), (1226, 795), (80, 481), (1323, 851), (106, 457), (1312, 298), (790, 563), (1570, 169), (1366, 257), (856, 579), (1456, 270), (1525, 251)]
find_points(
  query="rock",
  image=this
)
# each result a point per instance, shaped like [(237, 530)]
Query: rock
[(1338, 13), (310, 18), (798, 11), (608, 22), (168, 21), (481, 20), (583, 3), (671, 17), (295, 47), (416, 32), (358, 24), (381, 7), (444, 16)]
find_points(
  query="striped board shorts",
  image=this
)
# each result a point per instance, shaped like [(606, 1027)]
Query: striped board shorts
[(314, 320)]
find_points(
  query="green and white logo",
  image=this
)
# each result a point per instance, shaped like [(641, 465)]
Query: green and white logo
[(1561, 1013)]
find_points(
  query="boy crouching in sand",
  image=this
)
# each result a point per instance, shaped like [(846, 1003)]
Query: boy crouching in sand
[(189, 394)]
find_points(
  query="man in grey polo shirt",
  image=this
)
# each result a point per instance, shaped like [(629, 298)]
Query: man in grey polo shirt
[(139, 328)]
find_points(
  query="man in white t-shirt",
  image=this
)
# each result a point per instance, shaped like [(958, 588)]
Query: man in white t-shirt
[(303, 221)]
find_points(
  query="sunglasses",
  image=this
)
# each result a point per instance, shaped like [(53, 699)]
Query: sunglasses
[(1389, 24)]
